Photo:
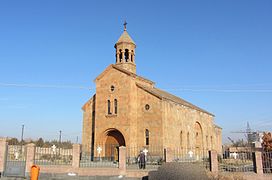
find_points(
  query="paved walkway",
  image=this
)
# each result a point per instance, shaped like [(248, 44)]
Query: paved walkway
[(75, 178)]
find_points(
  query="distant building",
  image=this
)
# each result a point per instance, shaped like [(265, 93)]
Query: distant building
[(128, 110)]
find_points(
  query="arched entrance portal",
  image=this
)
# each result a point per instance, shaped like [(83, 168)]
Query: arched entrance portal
[(114, 139), (198, 140)]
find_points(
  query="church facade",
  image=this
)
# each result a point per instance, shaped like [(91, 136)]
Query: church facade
[(128, 110)]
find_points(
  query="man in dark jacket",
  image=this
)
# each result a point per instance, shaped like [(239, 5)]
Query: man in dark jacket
[(142, 161)]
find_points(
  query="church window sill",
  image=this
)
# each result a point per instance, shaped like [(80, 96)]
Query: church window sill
[(111, 115)]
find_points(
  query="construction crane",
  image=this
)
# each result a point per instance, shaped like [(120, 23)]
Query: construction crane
[(252, 136), (231, 140)]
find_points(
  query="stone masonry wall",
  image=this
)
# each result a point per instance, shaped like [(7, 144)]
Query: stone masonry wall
[(122, 90), (178, 118), (150, 119)]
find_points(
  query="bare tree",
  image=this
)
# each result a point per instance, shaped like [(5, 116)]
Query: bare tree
[(267, 142)]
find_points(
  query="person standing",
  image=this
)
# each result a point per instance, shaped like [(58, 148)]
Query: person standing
[(142, 160)]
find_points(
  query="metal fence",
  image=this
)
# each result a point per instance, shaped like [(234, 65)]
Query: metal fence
[(267, 161), (193, 155), (153, 157), (236, 161), (15, 161), (53, 156), (100, 156)]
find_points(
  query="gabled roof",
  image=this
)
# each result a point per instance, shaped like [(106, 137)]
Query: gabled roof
[(87, 103), (125, 38), (123, 71), (165, 95), (216, 126)]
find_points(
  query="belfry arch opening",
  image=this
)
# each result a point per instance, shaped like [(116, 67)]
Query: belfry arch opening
[(126, 55)]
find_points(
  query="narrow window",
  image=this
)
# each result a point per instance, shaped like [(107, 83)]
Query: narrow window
[(109, 108), (181, 139), (188, 140), (131, 56), (126, 55), (115, 106), (207, 142), (146, 137)]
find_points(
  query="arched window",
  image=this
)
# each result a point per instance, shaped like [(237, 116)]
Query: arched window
[(126, 55), (207, 142), (115, 106), (198, 136), (146, 137), (188, 140), (109, 108), (181, 138), (120, 55)]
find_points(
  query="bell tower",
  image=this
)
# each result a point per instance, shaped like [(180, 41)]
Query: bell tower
[(125, 51)]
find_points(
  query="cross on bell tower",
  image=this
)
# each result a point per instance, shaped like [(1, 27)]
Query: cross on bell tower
[(125, 25), (125, 51)]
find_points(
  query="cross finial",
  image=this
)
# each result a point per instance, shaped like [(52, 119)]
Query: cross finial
[(125, 25)]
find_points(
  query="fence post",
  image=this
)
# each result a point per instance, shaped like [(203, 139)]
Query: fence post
[(30, 156), (122, 160), (257, 162), (169, 156), (76, 155), (3, 151), (213, 161)]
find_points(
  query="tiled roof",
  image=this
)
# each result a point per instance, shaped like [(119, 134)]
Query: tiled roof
[(165, 95), (87, 103), (124, 71), (216, 126), (132, 74), (125, 37)]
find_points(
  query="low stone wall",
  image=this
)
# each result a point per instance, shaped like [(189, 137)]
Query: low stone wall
[(121, 169)]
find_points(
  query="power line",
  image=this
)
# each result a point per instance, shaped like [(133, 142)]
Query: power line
[(224, 90), (199, 89), (44, 86)]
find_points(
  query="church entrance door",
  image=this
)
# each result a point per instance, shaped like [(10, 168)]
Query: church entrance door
[(114, 139)]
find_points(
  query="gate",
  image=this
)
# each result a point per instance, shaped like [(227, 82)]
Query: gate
[(237, 161), (15, 161), (101, 156), (267, 161)]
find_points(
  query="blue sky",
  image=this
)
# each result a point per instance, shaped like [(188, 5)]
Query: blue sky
[(215, 54)]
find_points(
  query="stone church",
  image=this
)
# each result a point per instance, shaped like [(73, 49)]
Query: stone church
[(129, 110)]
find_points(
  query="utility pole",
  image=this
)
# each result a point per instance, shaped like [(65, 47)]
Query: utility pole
[(22, 138), (77, 139), (22, 135), (60, 137), (59, 141)]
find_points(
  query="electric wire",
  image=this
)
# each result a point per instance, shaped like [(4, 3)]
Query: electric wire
[(199, 89)]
